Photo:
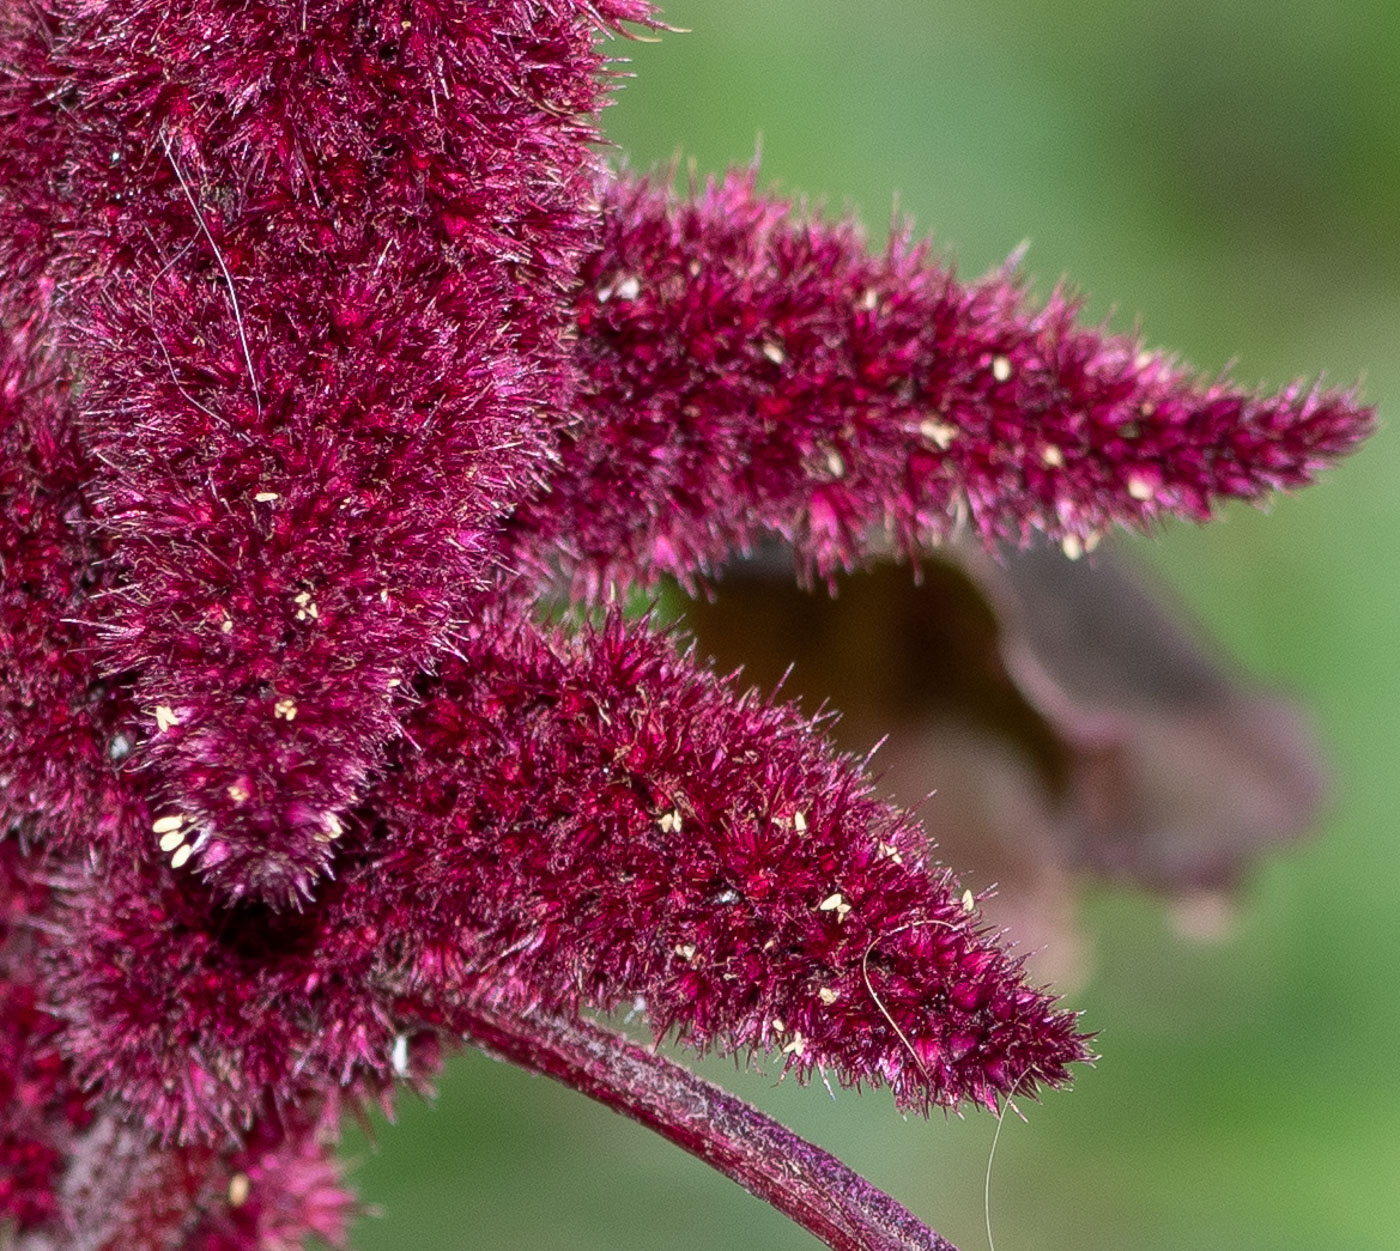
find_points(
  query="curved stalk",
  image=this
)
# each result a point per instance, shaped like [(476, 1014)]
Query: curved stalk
[(801, 1180)]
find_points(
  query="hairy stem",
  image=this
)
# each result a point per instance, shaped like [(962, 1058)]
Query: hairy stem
[(798, 1178)]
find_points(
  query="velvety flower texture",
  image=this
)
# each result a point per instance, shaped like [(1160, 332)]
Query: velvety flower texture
[(329, 351)]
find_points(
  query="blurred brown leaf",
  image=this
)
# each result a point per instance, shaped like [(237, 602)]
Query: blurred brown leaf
[(1069, 719)]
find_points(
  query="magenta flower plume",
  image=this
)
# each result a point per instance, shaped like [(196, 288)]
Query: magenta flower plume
[(314, 273), (748, 370), (329, 350)]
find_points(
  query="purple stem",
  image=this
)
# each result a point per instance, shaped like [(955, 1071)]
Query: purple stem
[(812, 1187)]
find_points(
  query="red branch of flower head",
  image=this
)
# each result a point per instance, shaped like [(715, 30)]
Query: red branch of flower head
[(748, 370), (312, 266)]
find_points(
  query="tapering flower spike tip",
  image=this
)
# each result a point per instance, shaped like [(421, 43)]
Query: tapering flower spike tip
[(749, 369), (620, 828)]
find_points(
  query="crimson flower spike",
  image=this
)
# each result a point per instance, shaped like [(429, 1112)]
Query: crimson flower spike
[(750, 370), (326, 343), (312, 262)]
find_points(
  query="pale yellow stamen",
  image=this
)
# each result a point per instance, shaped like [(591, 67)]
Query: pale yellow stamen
[(1139, 488), (939, 433), (239, 1188)]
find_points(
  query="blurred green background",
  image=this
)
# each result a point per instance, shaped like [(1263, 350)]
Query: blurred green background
[(1229, 174)]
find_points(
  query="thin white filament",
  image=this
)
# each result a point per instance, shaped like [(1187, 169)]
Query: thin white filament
[(228, 278)]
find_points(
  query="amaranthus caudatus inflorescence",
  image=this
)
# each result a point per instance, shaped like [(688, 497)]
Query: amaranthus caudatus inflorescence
[(330, 350)]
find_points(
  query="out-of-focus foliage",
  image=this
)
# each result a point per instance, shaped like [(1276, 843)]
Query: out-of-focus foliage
[(1227, 174)]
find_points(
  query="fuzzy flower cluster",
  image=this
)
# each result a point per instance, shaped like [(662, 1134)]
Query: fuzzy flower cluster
[(330, 351)]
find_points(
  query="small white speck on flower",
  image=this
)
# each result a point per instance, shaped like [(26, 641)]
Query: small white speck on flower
[(799, 822), (1143, 359), (627, 288), (398, 1057), (836, 903), (1072, 546), (1001, 368), (165, 717), (868, 300), (779, 1025), (888, 851), (182, 854), (334, 827), (239, 793), (1052, 456), (286, 708), (939, 433), (167, 824), (828, 996), (227, 626), (239, 1187), (670, 822), (835, 465), (1139, 487), (774, 353), (797, 1047), (266, 497), (686, 951), (969, 902), (171, 840), (120, 747)]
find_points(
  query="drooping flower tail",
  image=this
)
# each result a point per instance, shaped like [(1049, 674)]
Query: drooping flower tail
[(312, 263), (620, 826), (749, 369)]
